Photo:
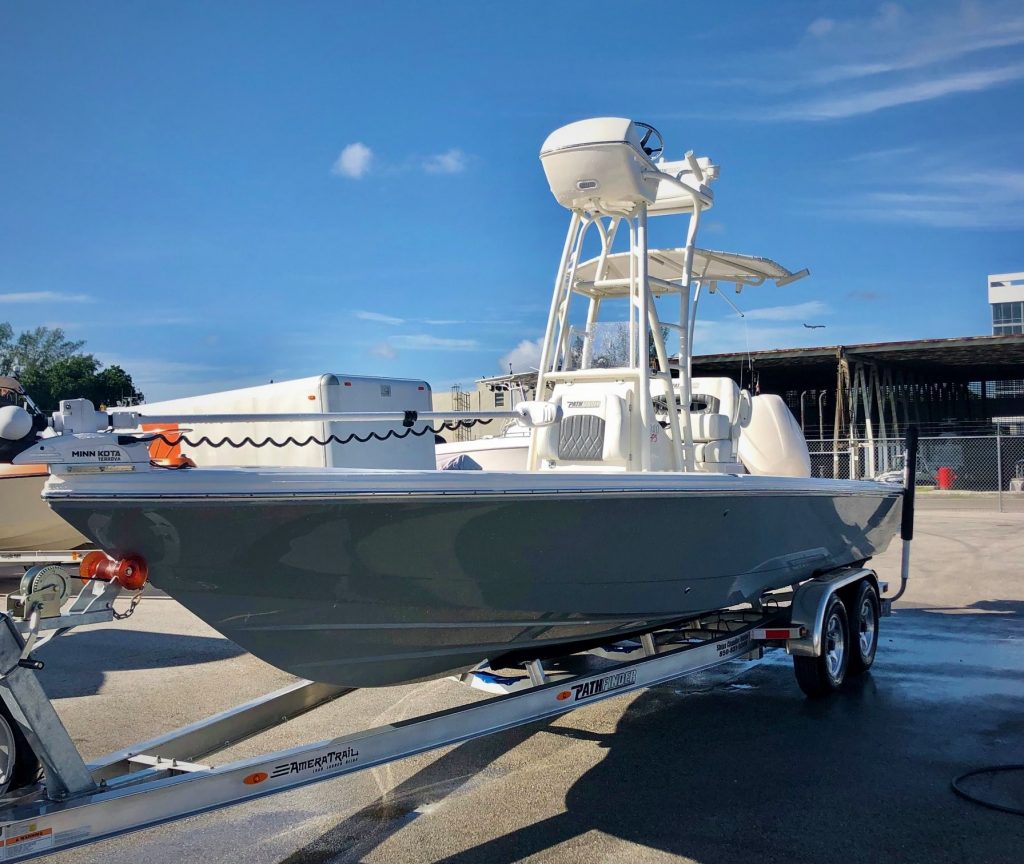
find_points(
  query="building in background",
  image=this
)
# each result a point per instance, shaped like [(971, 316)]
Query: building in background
[(1006, 299), (497, 393)]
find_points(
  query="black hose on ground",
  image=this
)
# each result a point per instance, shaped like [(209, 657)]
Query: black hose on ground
[(992, 805)]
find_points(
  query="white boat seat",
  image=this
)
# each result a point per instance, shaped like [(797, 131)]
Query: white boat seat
[(714, 452), (581, 438), (593, 428), (721, 395), (710, 427)]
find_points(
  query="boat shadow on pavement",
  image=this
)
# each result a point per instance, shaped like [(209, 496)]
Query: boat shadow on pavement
[(86, 656), (742, 769)]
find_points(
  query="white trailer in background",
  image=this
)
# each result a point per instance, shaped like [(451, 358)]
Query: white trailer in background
[(328, 393)]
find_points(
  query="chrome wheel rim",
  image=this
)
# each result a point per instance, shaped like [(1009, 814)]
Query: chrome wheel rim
[(835, 646), (7, 755), (868, 626)]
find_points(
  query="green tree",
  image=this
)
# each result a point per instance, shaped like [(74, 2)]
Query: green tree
[(116, 385), (34, 349), (51, 367)]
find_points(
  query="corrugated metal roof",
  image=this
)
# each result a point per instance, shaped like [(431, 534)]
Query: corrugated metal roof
[(971, 358)]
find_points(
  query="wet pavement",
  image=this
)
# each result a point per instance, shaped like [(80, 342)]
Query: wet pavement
[(734, 765)]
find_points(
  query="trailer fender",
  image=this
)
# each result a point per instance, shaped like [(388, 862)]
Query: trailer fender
[(810, 602)]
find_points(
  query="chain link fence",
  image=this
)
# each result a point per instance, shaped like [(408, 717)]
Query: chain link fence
[(984, 472)]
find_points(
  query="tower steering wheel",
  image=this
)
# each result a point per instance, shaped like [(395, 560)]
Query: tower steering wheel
[(653, 150)]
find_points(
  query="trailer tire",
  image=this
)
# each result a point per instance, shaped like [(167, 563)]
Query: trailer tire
[(864, 613), (19, 765), (822, 676)]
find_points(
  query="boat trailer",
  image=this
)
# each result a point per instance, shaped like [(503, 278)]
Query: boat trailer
[(51, 799), (167, 778)]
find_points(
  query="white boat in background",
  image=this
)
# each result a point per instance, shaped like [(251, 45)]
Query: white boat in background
[(27, 524), (635, 512), (504, 452)]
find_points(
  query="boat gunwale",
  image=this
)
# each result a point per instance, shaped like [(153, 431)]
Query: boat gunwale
[(428, 495)]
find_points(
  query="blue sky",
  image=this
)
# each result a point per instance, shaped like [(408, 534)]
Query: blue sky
[(214, 195)]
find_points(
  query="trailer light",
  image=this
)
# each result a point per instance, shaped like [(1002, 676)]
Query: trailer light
[(311, 397), (130, 573), (777, 633), (253, 779)]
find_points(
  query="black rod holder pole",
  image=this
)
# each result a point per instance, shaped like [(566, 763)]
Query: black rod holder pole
[(909, 483), (907, 522)]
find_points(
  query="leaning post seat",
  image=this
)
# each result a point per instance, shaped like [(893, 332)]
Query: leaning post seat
[(716, 429), (595, 427)]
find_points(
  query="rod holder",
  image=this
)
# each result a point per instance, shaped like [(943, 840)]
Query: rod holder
[(907, 522)]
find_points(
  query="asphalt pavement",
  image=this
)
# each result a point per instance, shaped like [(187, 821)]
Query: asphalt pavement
[(734, 765)]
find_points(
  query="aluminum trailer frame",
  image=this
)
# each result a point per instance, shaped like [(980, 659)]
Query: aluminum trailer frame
[(162, 780), (29, 559)]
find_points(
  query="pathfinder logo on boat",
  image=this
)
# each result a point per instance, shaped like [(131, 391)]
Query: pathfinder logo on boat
[(583, 403), (603, 685), (333, 759), (98, 455)]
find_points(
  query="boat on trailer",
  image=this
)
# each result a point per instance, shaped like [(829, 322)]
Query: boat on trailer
[(638, 559), (635, 511)]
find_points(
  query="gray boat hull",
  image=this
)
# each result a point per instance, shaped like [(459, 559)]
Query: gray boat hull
[(379, 590)]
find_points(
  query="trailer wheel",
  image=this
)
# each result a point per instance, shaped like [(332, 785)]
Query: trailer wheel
[(822, 676), (864, 618), (19, 765)]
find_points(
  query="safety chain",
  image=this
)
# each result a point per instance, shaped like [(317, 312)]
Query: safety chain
[(136, 599), (173, 438)]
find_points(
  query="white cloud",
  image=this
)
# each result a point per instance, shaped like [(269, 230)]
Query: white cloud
[(885, 154), (384, 350), (163, 379), (714, 337), (426, 342), (898, 43), (354, 161), (843, 67), (524, 357), (357, 160), (877, 99), (821, 26), (378, 317), (452, 161), (793, 312), (939, 194), (45, 297)]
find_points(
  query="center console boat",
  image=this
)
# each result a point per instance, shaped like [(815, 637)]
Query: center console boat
[(646, 497)]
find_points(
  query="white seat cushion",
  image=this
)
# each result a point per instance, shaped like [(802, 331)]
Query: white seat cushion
[(710, 427), (713, 452), (593, 427)]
